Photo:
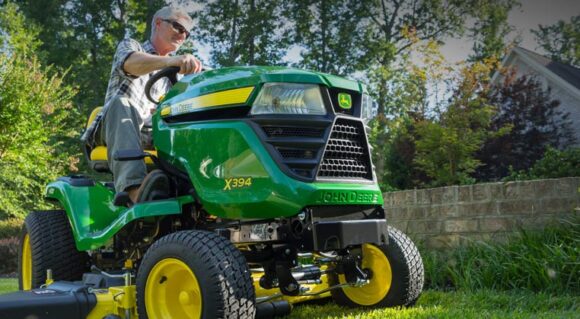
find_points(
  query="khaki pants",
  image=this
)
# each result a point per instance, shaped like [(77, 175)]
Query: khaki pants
[(122, 130)]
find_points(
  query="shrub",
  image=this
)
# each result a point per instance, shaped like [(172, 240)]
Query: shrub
[(10, 227), (537, 261), (37, 119), (554, 164), (9, 255)]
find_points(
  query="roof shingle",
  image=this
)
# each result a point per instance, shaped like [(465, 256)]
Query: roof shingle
[(567, 72)]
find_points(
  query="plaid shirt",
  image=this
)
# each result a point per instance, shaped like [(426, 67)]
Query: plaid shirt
[(132, 87)]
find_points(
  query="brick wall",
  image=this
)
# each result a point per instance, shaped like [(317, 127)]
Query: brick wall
[(451, 216)]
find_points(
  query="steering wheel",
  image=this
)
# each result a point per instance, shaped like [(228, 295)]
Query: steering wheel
[(170, 73)]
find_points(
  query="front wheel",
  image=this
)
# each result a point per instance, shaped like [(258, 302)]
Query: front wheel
[(194, 274), (396, 275)]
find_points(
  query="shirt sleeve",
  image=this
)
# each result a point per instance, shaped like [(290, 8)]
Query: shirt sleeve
[(124, 50)]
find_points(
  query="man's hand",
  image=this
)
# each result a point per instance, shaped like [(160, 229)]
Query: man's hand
[(187, 63)]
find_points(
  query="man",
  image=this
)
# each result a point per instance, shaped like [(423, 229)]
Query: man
[(127, 111)]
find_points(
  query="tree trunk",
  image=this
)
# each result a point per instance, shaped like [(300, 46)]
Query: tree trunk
[(233, 35), (149, 18), (252, 35), (323, 35)]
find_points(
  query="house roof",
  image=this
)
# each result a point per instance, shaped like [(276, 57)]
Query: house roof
[(563, 75), (567, 72)]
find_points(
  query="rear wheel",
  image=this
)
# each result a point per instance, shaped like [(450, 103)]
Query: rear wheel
[(194, 274), (46, 242), (396, 271)]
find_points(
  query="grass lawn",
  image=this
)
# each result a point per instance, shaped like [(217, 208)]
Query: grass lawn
[(8, 284), (436, 304), (457, 304)]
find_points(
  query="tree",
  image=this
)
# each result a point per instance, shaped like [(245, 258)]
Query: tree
[(413, 93), (81, 36), (393, 27), (535, 124), (391, 31), (36, 114), (490, 28), (561, 40), (398, 152), (329, 32), (447, 146), (243, 32)]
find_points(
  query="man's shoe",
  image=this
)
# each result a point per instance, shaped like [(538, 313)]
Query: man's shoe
[(122, 199)]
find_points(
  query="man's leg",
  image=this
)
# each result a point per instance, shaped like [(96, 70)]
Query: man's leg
[(121, 127)]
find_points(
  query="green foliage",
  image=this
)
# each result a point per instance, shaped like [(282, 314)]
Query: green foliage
[(244, 32), (81, 36), (445, 153), (394, 27), (36, 116), (18, 36), (561, 40), (10, 227), (405, 104), (446, 147), (396, 156), (329, 33), (491, 28), (554, 164), (536, 261), (393, 141)]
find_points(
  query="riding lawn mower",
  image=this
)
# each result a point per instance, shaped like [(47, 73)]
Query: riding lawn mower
[(261, 194)]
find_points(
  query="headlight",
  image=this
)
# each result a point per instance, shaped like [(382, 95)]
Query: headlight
[(368, 108), (289, 98)]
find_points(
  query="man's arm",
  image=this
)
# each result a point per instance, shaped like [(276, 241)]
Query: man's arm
[(140, 63)]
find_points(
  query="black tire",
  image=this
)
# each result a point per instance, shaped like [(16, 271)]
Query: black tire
[(407, 274), (52, 246), (225, 284)]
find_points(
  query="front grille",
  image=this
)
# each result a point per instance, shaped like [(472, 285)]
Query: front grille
[(282, 131), (346, 155), (296, 145), (297, 153)]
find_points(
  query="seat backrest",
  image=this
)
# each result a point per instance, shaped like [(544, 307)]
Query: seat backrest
[(94, 115)]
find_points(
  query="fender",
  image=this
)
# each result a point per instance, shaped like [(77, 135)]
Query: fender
[(93, 217)]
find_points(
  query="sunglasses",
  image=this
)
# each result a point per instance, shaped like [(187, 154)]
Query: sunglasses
[(178, 27)]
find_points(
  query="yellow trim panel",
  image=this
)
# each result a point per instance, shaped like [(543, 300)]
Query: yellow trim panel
[(99, 153), (228, 97), (26, 263)]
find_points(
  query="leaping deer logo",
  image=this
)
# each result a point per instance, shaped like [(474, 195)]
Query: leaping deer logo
[(344, 100)]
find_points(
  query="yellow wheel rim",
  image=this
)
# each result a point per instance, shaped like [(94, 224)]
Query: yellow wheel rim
[(26, 264), (172, 291), (380, 283)]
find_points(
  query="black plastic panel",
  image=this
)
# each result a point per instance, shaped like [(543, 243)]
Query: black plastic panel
[(334, 235), (295, 143)]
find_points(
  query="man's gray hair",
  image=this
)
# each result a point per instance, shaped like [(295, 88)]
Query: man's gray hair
[(171, 12)]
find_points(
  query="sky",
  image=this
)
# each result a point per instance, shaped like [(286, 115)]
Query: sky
[(525, 18)]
